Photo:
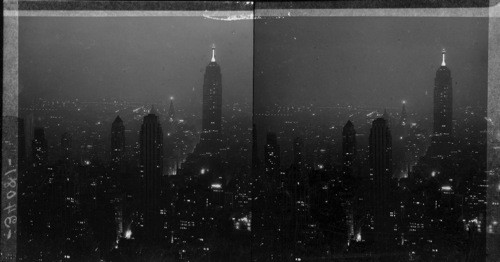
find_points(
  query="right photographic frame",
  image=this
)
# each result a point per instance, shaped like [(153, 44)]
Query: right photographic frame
[(375, 134)]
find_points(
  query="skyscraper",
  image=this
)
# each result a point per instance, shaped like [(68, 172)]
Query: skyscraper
[(442, 140), (171, 149), (399, 144), (118, 172), (151, 161), (386, 116), (39, 148), (117, 142), (443, 100), (348, 144), (381, 172), (210, 140)]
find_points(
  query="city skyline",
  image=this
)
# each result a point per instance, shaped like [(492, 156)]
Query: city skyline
[(330, 138)]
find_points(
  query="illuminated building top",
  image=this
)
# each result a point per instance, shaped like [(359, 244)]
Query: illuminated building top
[(444, 57), (213, 53)]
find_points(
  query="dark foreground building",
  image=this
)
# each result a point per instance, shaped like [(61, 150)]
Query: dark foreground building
[(151, 161)]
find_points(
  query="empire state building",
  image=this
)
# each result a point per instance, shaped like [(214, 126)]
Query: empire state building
[(443, 100), (442, 142), (210, 139)]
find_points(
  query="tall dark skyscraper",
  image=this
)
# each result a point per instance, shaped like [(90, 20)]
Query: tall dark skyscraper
[(210, 140), (117, 142), (400, 144), (442, 139), (380, 173), (443, 100), (170, 120), (348, 144), (39, 148), (151, 160)]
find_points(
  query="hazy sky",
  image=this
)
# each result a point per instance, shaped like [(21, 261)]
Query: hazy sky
[(133, 58), (373, 61)]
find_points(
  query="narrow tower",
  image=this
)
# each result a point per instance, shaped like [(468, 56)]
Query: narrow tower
[(117, 143), (348, 145), (442, 139), (151, 160), (171, 111), (210, 140), (443, 100), (170, 120), (381, 172)]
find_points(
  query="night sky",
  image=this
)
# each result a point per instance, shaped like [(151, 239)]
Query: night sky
[(144, 59), (368, 61), (363, 61)]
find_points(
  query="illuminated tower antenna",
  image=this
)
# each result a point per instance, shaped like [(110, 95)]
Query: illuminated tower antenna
[(213, 53), (444, 55)]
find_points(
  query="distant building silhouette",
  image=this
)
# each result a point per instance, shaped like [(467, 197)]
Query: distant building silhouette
[(151, 160), (387, 117), (171, 111), (117, 143), (170, 119), (400, 144), (381, 172), (348, 145)]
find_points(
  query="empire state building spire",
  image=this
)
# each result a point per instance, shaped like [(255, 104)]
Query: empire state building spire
[(444, 56), (213, 53)]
